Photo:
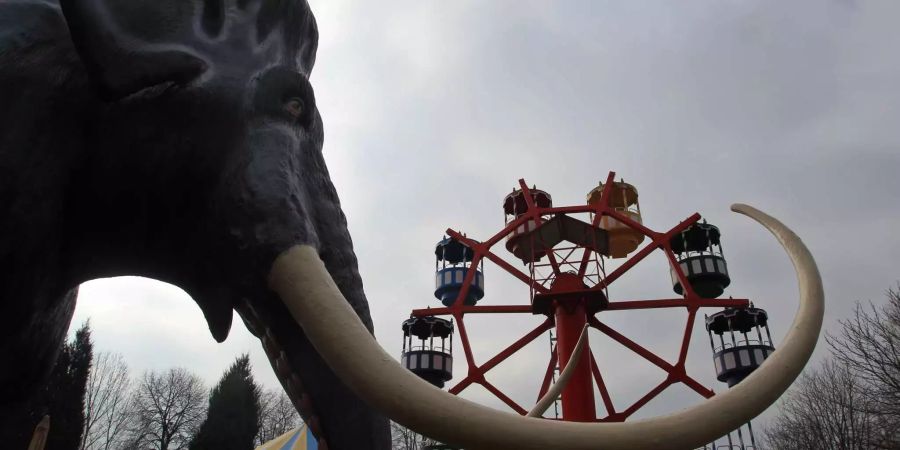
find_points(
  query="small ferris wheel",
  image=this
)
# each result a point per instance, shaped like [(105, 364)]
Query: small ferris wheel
[(566, 251)]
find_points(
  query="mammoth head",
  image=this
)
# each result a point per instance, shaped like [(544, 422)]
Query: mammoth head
[(180, 43)]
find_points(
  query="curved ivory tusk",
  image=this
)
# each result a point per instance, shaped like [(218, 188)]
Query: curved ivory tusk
[(313, 299), (563, 380)]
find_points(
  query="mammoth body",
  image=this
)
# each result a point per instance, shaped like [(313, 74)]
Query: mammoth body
[(177, 140)]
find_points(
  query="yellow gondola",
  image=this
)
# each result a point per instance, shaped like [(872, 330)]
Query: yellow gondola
[(623, 198)]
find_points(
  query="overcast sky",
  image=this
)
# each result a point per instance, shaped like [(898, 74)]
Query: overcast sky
[(434, 110)]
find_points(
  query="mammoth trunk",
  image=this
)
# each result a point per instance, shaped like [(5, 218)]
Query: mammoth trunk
[(273, 209)]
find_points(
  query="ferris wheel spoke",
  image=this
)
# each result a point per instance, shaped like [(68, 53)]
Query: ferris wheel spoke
[(526, 193), (476, 372), (464, 337), (631, 345), (515, 272), (636, 258), (535, 215), (623, 218), (512, 225), (585, 259), (696, 386), (645, 399), (679, 272), (601, 206), (624, 305), (646, 304), (551, 257), (686, 339), (697, 301), (679, 370), (503, 397), (515, 346), (462, 385), (484, 251), (607, 189), (657, 241), (601, 386), (485, 309)]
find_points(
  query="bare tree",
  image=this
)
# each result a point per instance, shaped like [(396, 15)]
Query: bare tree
[(167, 409), (829, 408), (853, 400), (276, 416), (106, 402), (406, 439), (869, 343)]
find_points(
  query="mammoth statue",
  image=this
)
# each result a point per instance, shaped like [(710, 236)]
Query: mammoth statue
[(175, 140), (180, 140)]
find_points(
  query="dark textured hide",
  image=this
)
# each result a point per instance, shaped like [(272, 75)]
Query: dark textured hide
[(171, 139)]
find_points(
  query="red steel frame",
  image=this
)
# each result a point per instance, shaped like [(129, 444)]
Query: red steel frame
[(578, 403)]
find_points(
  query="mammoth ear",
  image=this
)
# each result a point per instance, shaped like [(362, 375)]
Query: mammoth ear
[(118, 64)]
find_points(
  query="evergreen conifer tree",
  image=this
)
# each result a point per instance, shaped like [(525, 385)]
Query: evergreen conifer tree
[(66, 391), (233, 418), (62, 398)]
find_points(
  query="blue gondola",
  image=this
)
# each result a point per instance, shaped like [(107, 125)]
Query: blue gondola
[(452, 262)]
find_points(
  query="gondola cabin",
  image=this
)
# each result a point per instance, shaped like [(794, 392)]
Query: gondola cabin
[(740, 341), (522, 242), (698, 251), (623, 199), (428, 348), (453, 260)]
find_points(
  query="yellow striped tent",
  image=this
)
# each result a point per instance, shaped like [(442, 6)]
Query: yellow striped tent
[(297, 439)]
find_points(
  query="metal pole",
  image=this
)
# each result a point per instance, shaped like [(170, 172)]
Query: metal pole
[(571, 317), (752, 440)]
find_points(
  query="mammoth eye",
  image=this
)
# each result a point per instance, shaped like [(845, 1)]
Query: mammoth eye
[(294, 106)]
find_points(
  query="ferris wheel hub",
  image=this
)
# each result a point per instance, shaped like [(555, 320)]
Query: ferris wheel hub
[(568, 289)]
